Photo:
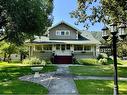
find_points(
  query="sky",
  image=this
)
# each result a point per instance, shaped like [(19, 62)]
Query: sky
[(61, 11)]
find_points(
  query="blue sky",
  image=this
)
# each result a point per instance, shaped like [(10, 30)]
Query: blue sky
[(61, 11)]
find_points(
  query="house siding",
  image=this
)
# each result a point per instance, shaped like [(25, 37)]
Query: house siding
[(80, 55), (53, 36), (45, 55)]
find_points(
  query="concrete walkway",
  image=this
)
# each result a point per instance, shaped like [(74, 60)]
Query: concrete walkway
[(97, 78), (63, 84)]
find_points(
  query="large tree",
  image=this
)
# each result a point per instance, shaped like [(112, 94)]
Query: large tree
[(105, 11), (21, 19)]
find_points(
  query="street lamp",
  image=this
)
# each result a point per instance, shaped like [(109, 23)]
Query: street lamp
[(114, 30)]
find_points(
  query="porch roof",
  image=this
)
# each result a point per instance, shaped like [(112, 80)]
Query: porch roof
[(46, 40)]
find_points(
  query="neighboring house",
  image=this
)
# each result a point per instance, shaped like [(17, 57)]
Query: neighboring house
[(62, 42), (104, 48)]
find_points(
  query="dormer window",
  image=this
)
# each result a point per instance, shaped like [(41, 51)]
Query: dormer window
[(63, 33)]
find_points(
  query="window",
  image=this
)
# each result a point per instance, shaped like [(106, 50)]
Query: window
[(38, 47), (47, 47), (58, 47), (57, 32), (67, 33), (78, 47), (87, 48), (68, 47), (63, 32)]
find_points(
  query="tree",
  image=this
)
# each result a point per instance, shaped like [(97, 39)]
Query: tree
[(23, 50), (7, 49), (105, 11), (22, 19)]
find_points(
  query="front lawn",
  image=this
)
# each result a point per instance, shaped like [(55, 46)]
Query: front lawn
[(102, 70), (21, 87), (99, 87), (9, 83)]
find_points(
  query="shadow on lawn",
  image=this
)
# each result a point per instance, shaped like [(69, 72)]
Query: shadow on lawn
[(99, 87)]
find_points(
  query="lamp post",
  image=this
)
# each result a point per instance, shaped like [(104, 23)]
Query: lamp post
[(114, 30)]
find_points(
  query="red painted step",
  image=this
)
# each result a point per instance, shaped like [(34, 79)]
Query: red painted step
[(62, 59)]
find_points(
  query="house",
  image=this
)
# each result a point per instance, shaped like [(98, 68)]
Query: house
[(62, 42)]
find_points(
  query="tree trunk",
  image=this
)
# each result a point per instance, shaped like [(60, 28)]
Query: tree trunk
[(5, 55), (9, 59)]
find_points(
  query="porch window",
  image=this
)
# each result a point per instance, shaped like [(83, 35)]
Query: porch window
[(87, 48), (78, 47), (38, 47), (68, 47), (47, 47), (57, 47)]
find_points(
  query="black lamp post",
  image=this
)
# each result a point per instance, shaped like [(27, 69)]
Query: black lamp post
[(121, 33)]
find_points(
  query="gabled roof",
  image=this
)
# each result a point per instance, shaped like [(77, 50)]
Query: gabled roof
[(89, 36), (63, 22)]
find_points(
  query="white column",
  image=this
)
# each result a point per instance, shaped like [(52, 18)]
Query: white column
[(93, 50), (97, 49), (31, 50), (72, 48), (53, 47), (83, 47)]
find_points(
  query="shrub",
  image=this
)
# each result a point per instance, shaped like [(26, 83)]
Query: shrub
[(103, 61), (33, 61), (75, 61), (88, 61), (48, 61), (110, 60), (102, 55)]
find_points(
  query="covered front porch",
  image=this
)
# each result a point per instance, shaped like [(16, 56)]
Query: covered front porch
[(77, 50)]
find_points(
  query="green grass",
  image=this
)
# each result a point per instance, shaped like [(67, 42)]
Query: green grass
[(99, 87), (102, 70), (122, 62), (88, 61), (9, 83), (21, 87)]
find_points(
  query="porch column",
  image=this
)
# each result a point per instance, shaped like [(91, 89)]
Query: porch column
[(30, 51), (72, 48), (53, 47), (97, 50), (93, 50), (83, 48)]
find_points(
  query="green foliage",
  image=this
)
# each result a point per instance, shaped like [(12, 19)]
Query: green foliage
[(88, 61), (34, 61), (22, 19), (92, 11), (103, 61), (102, 55), (48, 62), (109, 60)]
